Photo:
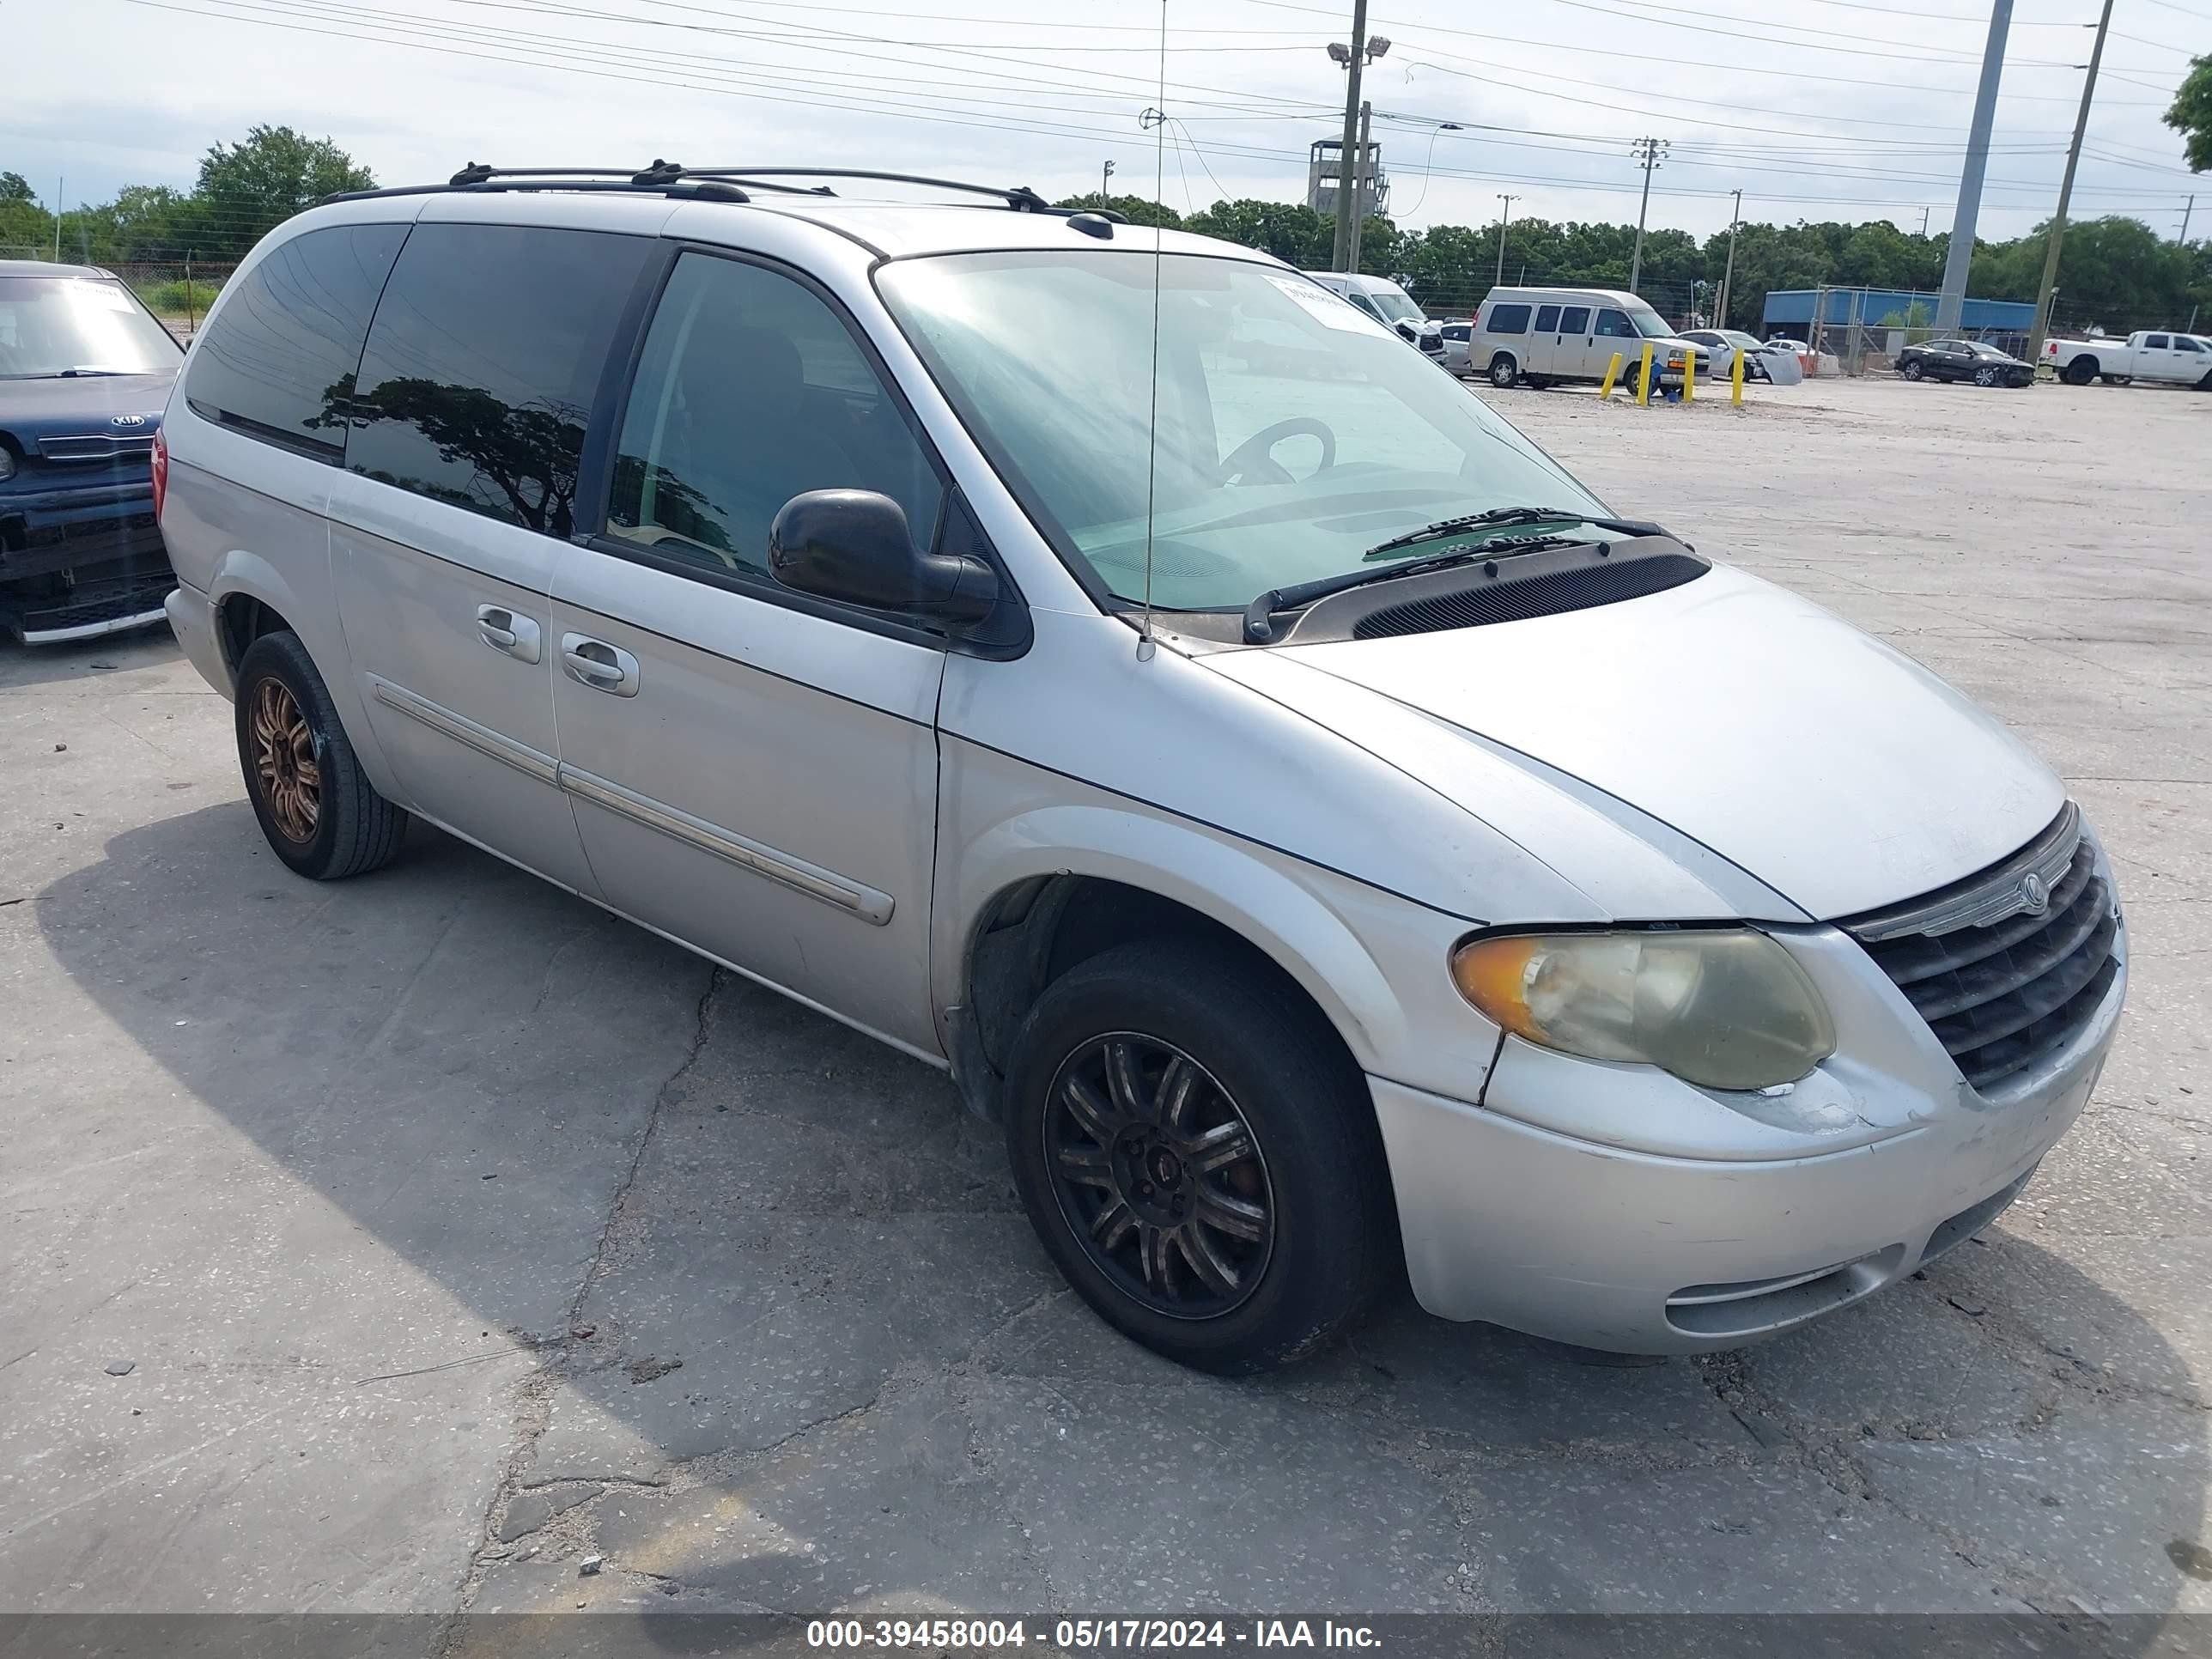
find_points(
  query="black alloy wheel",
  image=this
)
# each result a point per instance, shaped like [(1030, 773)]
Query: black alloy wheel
[(1159, 1176)]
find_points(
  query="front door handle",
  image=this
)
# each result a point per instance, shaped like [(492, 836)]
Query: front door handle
[(602, 667), (502, 630)]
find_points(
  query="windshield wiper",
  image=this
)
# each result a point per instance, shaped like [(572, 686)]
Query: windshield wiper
[(64, 373), (1505, 515), (1259, 628)]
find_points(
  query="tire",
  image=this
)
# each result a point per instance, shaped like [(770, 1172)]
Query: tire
[(1914, 369), (2080, 371), (315, 804), (1504, 372), (1325, 1238), (2119, 379), (1986, 377), (2205, 385)]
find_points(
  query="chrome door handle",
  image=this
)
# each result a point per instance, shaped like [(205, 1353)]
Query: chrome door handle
[(602, 667), (502, 630)]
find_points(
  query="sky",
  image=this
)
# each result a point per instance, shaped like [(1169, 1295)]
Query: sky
[(1815, 109)]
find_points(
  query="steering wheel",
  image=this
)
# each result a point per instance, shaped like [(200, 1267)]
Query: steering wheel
[(1254, 456)]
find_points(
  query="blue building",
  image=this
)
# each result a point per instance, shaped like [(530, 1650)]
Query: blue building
[(1789, 311)]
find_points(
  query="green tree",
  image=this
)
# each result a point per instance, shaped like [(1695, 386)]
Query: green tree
[(1292, 231), (1137, 210), (247, 189), (2192, 115), (23, 223)]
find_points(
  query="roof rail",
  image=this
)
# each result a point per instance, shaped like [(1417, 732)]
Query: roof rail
[(726, 184)]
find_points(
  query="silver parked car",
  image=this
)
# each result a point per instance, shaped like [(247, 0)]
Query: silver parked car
[(1326, 838)]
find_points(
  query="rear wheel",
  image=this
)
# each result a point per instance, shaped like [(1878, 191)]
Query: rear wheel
[(315, 804), (1503, 371), (2080, 371), (1199, 1162), (1913, 369), (2119, 379)]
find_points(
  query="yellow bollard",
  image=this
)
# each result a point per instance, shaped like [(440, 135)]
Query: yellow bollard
[(1612, 374), (1689, 375), (1736, 391), (1644, 379)]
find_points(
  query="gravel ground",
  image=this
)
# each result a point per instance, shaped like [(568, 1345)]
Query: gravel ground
[(394, 1246)]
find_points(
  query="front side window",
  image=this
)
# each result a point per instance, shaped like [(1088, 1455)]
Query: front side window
[(1614, 325), (56, 326), (1509, 320), (477, 380), (750, 391), (2182, 342), (1284, 437)]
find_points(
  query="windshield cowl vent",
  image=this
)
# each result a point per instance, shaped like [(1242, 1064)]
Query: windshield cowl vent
[(1508, 588)]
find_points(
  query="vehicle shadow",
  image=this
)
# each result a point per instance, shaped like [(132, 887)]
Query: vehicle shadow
[(793, 1346), (24, 665)]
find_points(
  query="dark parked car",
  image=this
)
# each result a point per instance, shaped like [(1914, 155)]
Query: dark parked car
[(84, 372), (1963, 359)]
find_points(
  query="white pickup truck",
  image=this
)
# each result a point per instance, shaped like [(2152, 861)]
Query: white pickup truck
[(2146, 354)]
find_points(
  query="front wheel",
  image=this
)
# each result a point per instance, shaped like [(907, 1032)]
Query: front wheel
[(316, 805), (1199, 1162), (1986, 377), (1504, 372)]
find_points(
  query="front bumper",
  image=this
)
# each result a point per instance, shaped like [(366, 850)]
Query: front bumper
[(80, 561), (1642, 1252)]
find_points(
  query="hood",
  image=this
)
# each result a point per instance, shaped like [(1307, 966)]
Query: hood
[(83, 405), (1766, 733)]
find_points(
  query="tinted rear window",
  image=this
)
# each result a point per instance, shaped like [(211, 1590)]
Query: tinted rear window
[(278, 359), (477, 382), (1509, 320)]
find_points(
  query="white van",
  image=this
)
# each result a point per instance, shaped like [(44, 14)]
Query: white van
[(1388, 304), (1541, 335)]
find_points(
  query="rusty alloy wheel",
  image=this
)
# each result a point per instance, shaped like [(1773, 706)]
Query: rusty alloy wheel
[(285, 760)]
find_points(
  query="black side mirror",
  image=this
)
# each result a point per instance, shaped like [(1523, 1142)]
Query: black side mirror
[(854, 545)]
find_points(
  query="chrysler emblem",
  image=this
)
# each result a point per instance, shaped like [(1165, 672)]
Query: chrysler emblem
[(2035, 893), (127, 420)]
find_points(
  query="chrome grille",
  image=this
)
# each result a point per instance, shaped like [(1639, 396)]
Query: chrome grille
[(97, 446), (2007, 966)]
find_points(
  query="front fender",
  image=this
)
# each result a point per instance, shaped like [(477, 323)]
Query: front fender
[(1373, 962)]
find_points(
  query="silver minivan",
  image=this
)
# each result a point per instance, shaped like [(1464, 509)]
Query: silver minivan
[(1331, 842)]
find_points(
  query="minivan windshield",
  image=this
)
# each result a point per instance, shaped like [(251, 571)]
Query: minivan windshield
[(1649, 323), (1395, 305), (55, 325), (1294, 432)]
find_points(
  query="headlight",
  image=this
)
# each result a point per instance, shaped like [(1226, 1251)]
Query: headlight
[(1722, 1008), (6, 463)]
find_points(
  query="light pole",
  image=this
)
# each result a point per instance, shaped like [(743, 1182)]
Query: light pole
[(1649, 153), (1727, 272), (2057, 237), (1504, 213), (1352, 160), (1105, 184), (1960, 255)]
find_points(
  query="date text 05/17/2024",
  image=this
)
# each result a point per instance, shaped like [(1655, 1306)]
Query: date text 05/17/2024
[(1087, 1634)]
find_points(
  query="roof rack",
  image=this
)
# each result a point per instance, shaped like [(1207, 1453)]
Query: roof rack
[(724, 184)]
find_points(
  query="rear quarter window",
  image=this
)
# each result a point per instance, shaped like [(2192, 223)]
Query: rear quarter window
[(278, 361), (1508, 319), (476, 384)]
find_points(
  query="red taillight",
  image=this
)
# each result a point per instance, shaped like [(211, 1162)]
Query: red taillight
[(161, 472)]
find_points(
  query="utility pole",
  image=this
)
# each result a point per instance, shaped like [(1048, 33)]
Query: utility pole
[(1504, 213), (1924, 221), (59, 183), (1727, 272), (1105, 184), (1960, 255), (1348, 167), (1649, 153), (1363, 182), (2057, 236), (2187, 212)]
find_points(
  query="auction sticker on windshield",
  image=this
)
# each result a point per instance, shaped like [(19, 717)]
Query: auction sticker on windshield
[(1325, 307)]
